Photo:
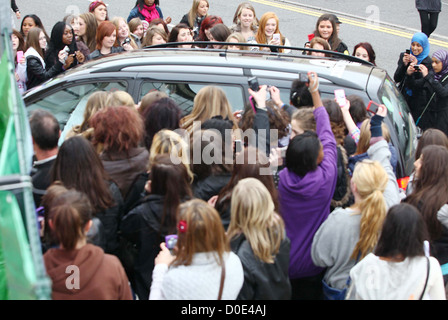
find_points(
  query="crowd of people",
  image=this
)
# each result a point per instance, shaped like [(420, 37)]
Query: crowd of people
[(309, 219)]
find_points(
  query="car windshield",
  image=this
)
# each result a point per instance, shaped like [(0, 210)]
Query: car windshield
[(401, 120)]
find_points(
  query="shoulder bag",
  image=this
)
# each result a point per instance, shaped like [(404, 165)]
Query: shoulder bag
[(337, 294)]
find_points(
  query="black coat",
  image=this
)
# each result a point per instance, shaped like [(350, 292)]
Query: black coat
[(438, 108), (141, 226), (263, 281), (111, 219), (210, 186), (413, 89), (36, 73)]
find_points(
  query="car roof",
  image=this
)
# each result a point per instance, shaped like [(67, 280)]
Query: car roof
[(340, 71)]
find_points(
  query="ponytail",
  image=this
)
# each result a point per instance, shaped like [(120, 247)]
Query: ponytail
[(371, 180), (70, 212), (373, 212)]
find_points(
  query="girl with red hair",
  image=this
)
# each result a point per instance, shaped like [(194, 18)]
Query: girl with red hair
[(267, 30)]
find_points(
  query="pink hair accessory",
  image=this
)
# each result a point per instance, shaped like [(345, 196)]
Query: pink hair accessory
[(182, 226)]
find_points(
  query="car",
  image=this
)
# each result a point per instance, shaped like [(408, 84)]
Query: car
[(181, 73)]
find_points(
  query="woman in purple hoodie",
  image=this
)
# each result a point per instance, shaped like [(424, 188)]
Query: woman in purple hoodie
[(306, 187)]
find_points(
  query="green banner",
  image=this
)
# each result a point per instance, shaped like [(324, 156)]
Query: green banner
[(22, 271)]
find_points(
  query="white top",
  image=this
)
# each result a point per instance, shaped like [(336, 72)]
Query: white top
[(376, 279), (198, 281)]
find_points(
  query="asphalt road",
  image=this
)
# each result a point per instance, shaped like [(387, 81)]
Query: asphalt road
[(387, 25)]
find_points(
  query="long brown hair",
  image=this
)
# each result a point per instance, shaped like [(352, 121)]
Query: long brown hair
[(78, 166), (204, 233), (430, 187), (32, 40), (172, 182)]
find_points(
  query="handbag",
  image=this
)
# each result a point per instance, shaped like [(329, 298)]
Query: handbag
[(331, 293)]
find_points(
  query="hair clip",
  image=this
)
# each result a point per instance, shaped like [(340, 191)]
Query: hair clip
[(182, 226)]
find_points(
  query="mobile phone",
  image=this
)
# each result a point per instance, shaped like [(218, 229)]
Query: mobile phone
[(19, 56), (283, 151), (171, 241), (238, 146), (339, 95), (253, 83), (417, 68), (276, 36), (372, 107), (303, 77), (408, 51)]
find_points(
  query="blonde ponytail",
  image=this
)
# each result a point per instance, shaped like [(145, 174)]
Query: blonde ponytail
[(371, 180)]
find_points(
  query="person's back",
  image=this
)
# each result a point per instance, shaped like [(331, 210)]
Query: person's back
[(306, 187), (203, 267), (399, 268), (257, 235), (305, 201), (78, 270), (101, 276)]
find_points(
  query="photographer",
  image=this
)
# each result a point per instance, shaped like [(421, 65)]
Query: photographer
[(63, 38), (409, 80), (436, 108)]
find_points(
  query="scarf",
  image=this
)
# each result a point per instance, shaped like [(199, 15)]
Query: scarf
[(442, 56), (422, 39), (150, 13)]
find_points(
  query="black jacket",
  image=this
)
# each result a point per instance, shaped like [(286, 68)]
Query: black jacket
[(438, 107), (263, 281), (111, 219), (210, 186), (141, 227), (36, 73), (413, 90)]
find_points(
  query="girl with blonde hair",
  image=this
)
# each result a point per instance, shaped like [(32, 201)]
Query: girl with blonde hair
[(203, 266), (209, 102), (349, 234), (245, 21), (268, 26), (120, 98), (257, 235), (236, 37), (164, 142), (96, 102), (169, 142), (194, 17)]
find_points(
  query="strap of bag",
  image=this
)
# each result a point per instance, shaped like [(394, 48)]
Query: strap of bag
[(427, 105), (223, 276), (426, 281)]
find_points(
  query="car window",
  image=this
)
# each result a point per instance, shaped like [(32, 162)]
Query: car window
[(68, 103), (183, 93), (398, 112)]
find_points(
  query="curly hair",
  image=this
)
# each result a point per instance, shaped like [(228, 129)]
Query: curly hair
[(278, 119), (117, 128)]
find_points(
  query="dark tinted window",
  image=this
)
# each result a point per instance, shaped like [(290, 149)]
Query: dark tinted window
[(184, 93), (67, 104)]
